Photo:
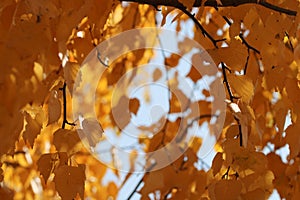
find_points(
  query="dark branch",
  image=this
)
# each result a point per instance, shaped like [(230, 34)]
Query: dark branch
[(65, 121), (276, 8), (231, 97), (192, 122), (247, 44), (213, 3), (198, 25), (140, 181), (226, 173), (225, 80)]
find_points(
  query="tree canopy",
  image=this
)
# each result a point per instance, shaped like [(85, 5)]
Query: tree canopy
[(149, 99)]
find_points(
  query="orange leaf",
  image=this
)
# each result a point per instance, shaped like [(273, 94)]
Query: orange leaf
[(69, 181), (157, 74), (293, 139), (134, 105), (172, 61), (65, 140), (54, 108), (32, 129), (217, 163), (48, 162), (242, 85), (227, 189), (72, 75)]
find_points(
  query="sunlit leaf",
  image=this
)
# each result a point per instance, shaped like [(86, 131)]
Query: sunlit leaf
[(243, 87), (32, 129), (54, 107)]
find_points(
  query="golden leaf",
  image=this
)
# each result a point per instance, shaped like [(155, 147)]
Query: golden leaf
[(293, 139), (243, 87), (47, 163), (54, 107), (234, 55), (72, 75), (32, 129), (227, 189), (65, 140), (69, 181), (217, 163)]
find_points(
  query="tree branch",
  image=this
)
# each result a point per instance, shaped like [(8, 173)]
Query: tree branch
[(213, 3), (232, 97), (198, 25), (65, 121)]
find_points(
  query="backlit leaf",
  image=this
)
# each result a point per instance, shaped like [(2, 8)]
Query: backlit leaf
[(243, 87), (54, 107), (92, 131), (69, 181), (134, 105), (217, 163), (47, 163), (32, 129), (65, 140)]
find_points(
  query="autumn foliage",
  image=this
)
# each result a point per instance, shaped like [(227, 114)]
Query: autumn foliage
[(255, 46)]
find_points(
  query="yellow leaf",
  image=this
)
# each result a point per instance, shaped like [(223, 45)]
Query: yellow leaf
[(32, 129), (234, 55), (1, 173), (242, 86), (54, 108), (72, 75)]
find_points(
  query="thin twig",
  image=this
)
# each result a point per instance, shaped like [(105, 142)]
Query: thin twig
[(232, 97), (226, 173), (198, 25), (191, 123), (249, 47), (140, 181), (247, 44), (290, 43)]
